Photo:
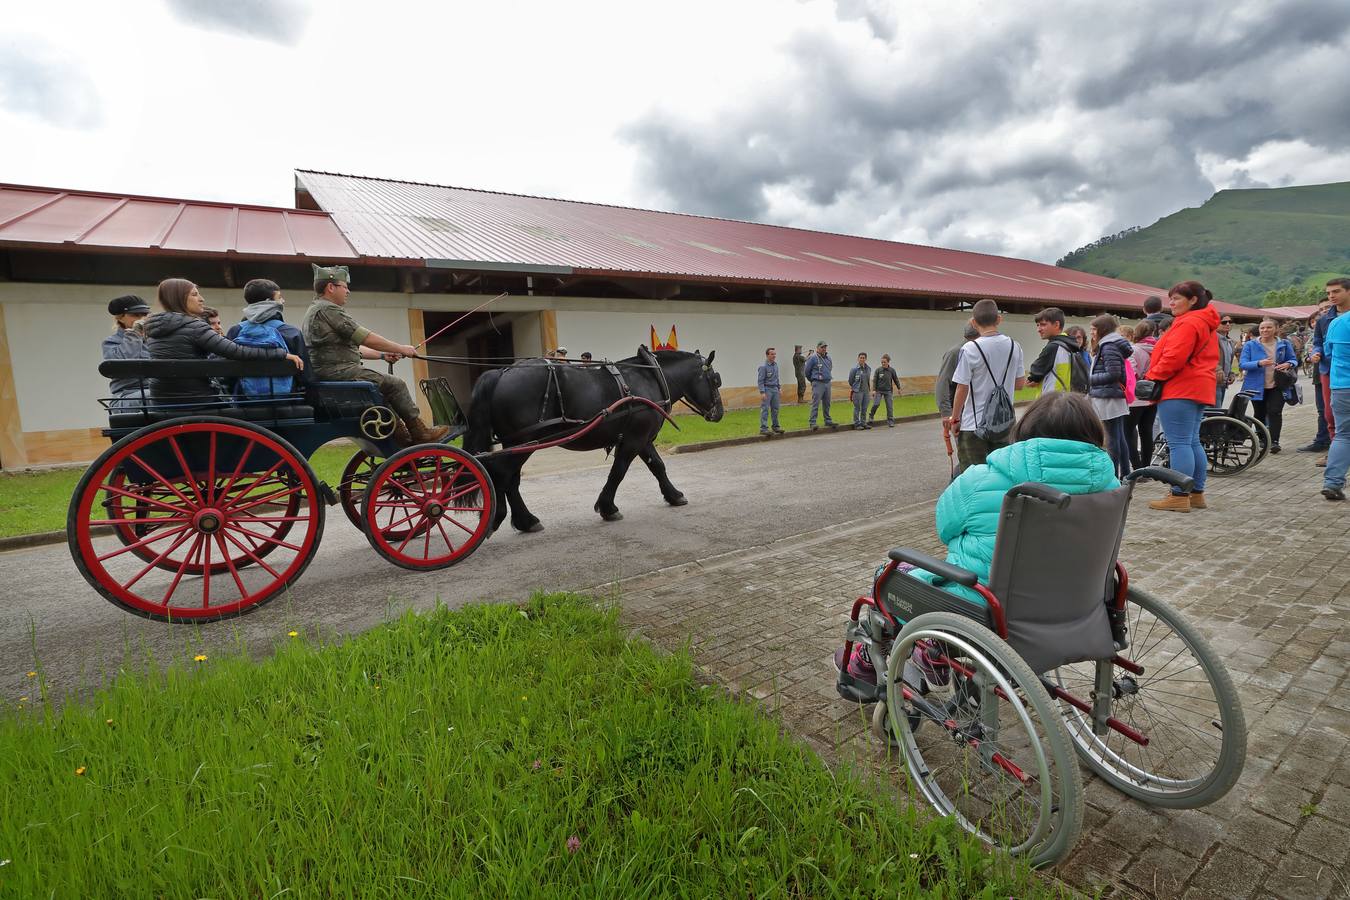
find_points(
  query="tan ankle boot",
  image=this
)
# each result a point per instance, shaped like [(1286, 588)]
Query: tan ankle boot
[(1198, 500), (400, 435), (421, 434), (1173, 503)]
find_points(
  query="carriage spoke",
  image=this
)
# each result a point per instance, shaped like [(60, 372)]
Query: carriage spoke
[(144, 542), (163, 520), (164, 481), (157, 560), (445, 537), (122, 492), (187, 470), (251, 555), (206, 573), (238, 469), (257, 482), (190, 557), (267, 539), (211, 469), (268, 499), (229, 564)]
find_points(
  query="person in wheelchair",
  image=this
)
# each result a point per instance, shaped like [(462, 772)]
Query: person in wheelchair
[(1058, 442), (180, 332)]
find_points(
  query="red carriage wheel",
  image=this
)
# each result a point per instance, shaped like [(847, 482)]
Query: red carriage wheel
[(138, 510), (352, 487), (213, 516), (428, 507)]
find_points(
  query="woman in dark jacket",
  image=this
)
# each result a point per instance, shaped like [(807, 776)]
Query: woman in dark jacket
[(1107, 387), (180, 332)]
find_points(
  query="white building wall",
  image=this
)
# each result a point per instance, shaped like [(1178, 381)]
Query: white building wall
[(915, 339)]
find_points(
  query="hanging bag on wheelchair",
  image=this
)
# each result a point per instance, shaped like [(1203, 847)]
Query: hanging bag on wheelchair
[(997, 417)]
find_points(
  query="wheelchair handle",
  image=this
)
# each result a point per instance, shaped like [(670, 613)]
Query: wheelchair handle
[(1042, 492), (1167, 476)]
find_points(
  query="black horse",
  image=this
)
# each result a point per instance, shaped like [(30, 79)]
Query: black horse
[(538, 400)]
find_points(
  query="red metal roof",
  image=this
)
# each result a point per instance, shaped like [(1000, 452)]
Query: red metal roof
[(464, 228), (44, 217), (1289, 312)]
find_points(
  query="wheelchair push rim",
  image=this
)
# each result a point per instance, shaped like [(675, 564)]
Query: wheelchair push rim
[(997, 758), (1182, 701), (214, 517)]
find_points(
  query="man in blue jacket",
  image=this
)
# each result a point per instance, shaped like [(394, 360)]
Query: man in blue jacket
[(1337, 290), (770, 391), (820, 371), (1335, 353)]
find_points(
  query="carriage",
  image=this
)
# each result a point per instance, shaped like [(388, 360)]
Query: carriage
[(206, 506), (989, 701)]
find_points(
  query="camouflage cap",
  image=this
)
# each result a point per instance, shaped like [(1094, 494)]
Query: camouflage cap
[(337, 274)]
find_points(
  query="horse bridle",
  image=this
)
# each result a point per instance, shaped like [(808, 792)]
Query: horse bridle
[(705, 413)]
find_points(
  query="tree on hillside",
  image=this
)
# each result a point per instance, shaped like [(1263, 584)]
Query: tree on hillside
[(1294, 295), (1069, 259)]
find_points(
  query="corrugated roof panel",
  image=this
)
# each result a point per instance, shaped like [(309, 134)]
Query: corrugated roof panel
[(37, 216)]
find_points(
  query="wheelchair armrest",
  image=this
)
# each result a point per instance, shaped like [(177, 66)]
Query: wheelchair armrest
[(936, 566), (1167, 476)]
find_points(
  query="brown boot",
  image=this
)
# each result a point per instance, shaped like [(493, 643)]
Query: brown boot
[(421, 434), (1173, 503), (400, 435), (1198, 500)]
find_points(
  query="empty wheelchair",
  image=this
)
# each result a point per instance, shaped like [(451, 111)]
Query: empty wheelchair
[(990, 699), (1232, 439)]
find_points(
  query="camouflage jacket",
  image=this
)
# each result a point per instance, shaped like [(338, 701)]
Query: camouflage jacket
[(333, 336)]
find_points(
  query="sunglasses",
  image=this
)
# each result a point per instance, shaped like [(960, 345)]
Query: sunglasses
[(1226, 322)]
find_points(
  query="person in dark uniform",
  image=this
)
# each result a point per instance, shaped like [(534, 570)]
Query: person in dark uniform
[(127, 342), (338, 344), (799, 370)]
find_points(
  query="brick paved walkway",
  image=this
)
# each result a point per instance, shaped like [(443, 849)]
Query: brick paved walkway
[(1263, 573)]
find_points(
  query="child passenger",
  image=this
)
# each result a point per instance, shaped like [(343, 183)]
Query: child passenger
[(1057, 442)]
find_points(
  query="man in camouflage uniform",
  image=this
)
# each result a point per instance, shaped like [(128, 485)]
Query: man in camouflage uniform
[(338, 344)]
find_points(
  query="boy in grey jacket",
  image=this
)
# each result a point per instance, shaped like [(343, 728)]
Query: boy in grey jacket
[(885, 381), (859, 380)]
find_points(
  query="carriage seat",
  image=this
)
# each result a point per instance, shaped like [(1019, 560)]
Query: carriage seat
[(136, 412)]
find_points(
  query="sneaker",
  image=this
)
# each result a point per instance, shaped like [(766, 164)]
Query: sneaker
[(764, 432), (1333, 494), (890, 424), (1274, 448), (1314, 447), (934, 672), (777, 430), (867, 428), (859, 665), (815, 427)]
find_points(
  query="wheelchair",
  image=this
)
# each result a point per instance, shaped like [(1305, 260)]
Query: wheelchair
[(1232, 439), (989, 702)]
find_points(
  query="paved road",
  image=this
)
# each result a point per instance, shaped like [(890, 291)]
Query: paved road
[(740, 497)]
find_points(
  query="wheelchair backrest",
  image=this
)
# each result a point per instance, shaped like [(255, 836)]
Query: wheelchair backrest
[(1053, 568)]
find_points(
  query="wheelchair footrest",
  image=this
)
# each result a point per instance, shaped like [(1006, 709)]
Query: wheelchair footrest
[(857, 690)]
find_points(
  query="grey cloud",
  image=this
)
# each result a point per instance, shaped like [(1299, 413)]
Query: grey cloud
[(38, 82), (1026, 129), (279, 21)]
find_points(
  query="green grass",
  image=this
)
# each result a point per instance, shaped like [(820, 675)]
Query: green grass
[(1240, 243), (451, 754)]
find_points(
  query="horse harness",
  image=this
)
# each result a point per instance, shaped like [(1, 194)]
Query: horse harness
[(553, 388)]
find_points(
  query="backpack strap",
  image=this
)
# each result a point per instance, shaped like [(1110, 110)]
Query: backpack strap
[(997, 384)]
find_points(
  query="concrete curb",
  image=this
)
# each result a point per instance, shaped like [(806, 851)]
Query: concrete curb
[(43, 538)]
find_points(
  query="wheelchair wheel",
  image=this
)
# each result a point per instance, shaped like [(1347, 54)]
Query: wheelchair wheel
[(995, 754), (1230, 445), (1161, 456), (1184, 703), (1262, 435)]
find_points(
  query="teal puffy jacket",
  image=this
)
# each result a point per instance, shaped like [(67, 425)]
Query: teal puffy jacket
[(968, 511)]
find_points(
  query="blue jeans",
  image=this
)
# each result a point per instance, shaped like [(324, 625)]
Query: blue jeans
[(1219, 393), (1323, 437), (769, 400), (1338, 457), (1180, 420), (1117, 445)]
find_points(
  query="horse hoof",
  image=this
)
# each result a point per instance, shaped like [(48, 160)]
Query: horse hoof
[(612, 517), (534, 529), (678, 501)]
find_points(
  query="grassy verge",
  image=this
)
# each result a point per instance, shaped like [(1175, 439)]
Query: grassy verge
[(793, 416), (491, 751)]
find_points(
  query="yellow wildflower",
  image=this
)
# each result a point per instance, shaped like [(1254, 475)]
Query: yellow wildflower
[(292, 634), (109, 721), (32, 675), (80, 770), (200, 657)]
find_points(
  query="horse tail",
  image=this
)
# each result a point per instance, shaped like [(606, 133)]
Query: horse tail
[(478, 439)]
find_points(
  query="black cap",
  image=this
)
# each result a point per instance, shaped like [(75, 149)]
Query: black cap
[(128, 303)]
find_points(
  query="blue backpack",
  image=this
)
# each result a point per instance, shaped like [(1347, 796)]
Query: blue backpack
[(264, 334)]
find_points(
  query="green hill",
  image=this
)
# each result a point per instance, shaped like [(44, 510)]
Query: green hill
[(1240, 243)]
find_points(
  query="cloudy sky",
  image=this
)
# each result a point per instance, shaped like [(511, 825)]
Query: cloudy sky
[(1025, 128)]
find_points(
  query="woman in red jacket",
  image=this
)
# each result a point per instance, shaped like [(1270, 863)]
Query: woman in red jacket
[(1185, 360)]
